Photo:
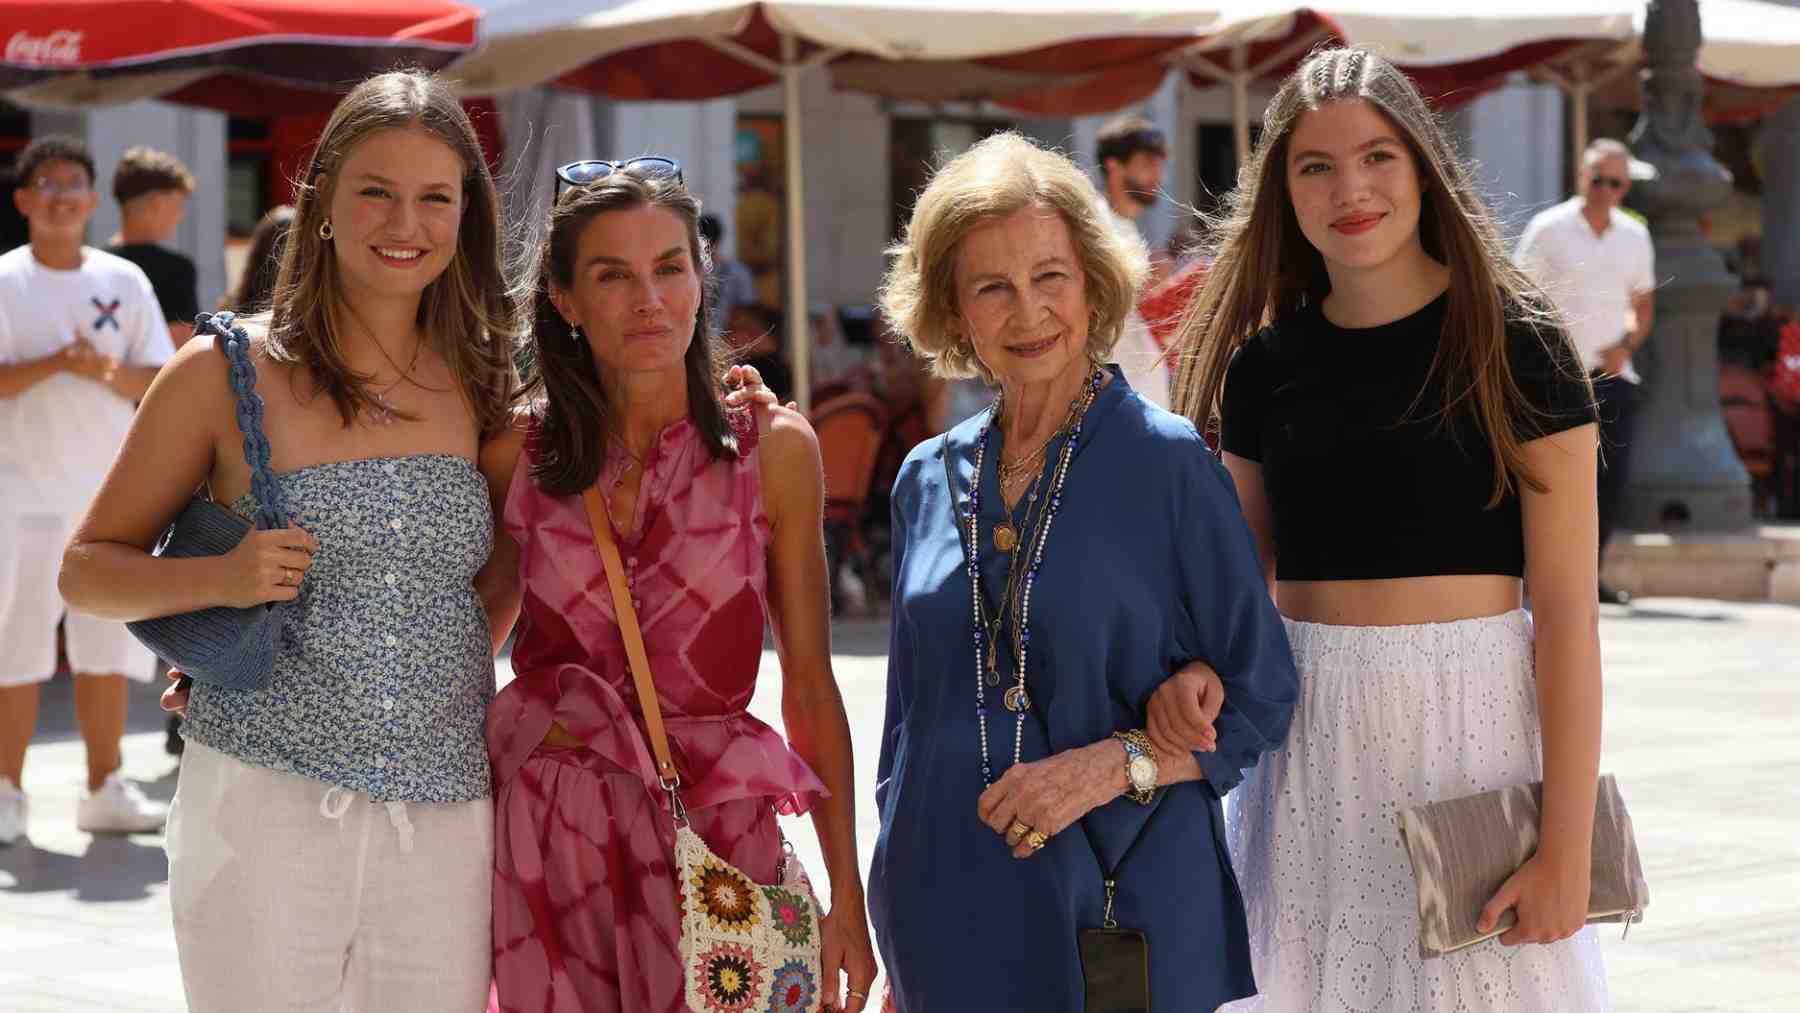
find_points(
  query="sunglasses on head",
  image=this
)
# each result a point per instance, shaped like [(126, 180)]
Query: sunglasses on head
[(1611, 182), (591, 170)]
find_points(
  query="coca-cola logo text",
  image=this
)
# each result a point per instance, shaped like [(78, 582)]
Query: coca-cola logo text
[(56, 48)]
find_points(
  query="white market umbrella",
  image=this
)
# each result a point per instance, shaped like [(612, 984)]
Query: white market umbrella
[(1449, 49), (698, 49)]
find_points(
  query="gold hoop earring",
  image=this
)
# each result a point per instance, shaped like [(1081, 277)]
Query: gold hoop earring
[(325, 230)]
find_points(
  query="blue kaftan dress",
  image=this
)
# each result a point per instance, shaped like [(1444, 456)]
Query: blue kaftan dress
[(1149, 565)]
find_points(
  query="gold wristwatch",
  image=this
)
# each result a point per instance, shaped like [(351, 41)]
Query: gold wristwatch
[(1140, 765)]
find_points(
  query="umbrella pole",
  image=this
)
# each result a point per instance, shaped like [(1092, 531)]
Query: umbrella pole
[(1240, 102), (1578, 113), (800, 349)]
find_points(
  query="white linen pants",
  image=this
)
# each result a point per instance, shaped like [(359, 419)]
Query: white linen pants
[(290, 895)]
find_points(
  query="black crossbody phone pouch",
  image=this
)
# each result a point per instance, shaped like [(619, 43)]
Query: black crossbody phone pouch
[(1115, 961)]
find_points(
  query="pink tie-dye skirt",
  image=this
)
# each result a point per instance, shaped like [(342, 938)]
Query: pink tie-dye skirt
[(586, 918)]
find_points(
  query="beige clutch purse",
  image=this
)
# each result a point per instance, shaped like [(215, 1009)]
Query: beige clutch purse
[(1463, 849)]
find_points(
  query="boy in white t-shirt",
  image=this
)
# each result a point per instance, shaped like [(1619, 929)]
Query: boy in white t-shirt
[(81, 337)]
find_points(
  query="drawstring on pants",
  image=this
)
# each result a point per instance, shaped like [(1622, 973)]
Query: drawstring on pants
[(337, 802), (397, 816)]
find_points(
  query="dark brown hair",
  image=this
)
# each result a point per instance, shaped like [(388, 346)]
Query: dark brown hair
[(575, 421), (52, 148), (1265, 267), (143, 170), (255, 289), (467, 312)]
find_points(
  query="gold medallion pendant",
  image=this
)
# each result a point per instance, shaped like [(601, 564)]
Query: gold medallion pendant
[(1005, 538), (1017, 700)]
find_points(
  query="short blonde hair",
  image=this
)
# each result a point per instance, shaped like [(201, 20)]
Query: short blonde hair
[(1003, 174)]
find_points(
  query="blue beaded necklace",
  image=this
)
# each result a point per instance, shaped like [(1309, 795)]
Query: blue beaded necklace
[(1016, 699)]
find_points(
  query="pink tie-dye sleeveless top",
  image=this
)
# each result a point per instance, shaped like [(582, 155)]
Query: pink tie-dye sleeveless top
[(697, 568)]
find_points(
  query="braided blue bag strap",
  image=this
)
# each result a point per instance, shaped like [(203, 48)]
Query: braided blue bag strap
[(271, 506)]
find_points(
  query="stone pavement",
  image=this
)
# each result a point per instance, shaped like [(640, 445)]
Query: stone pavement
[(1700, 732)]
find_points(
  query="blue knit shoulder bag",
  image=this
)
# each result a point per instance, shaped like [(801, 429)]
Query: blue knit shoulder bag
[(229, 647)]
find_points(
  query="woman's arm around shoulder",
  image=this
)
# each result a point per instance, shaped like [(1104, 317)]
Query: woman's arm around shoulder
[(186, 416), (498, 581)]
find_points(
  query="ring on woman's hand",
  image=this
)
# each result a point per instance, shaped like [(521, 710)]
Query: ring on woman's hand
[(854, 994), (1016, 833), (1037, 839)]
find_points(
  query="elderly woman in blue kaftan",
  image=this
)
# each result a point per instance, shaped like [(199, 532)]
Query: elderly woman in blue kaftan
[(1057, 559)]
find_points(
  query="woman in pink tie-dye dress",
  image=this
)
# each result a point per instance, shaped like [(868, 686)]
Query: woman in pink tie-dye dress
[(718, 526)]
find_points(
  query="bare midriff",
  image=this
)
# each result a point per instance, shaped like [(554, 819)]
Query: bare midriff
[(1404, 601)]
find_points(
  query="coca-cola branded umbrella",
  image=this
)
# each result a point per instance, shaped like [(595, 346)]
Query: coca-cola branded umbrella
[(237, 55)]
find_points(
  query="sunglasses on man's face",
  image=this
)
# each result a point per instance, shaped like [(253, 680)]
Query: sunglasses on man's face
[(593, 170), (1611, 182)]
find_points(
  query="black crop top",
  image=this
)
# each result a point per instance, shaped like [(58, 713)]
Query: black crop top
[(1361, 483)]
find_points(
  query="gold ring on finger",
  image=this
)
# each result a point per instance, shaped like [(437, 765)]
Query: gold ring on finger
[(293, 577), (1016, 833), (1037, 839)]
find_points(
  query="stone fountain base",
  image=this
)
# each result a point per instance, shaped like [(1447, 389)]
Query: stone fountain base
[(1758, 564)]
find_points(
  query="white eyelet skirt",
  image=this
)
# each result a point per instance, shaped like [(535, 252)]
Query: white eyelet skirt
[(1390, 717)]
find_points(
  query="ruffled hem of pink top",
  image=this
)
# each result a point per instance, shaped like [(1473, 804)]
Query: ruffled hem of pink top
[(722, 758)]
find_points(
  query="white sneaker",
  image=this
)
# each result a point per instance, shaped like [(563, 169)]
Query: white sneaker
[(119, 808), (12, 812)]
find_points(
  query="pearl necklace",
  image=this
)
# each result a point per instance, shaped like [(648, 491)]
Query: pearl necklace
[(1016, 698)]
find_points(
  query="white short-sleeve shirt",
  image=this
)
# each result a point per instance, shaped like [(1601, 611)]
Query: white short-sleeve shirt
[(1591, 276), (1137, 353), (58, 438)]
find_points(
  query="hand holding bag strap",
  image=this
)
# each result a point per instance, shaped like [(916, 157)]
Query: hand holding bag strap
[(601, 522)]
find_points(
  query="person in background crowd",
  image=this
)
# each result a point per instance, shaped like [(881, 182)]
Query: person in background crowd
[(81, 337), (152, 188), (1598, 265), (1132, 153), (255, 289), (1412, 439), (753, 334), (733, 284)]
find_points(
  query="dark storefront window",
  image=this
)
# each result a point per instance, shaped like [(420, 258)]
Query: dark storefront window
[(916, 146)]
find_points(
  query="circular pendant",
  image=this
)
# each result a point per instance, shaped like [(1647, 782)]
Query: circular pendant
[(993, 678), (1017, 700), (1005, 538)]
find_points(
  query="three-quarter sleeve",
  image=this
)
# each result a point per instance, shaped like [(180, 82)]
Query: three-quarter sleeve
[(1548, 372), (1235, 626), (1243, 404)]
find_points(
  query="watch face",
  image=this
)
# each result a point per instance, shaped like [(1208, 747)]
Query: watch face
[(1142, 771)]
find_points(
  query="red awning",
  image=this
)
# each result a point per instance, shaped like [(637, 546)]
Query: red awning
[(318, 44)]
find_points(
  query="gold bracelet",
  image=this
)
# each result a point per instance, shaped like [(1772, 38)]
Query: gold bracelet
[(1140, 766)]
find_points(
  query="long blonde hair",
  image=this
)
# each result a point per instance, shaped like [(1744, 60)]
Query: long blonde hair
[(1265, 267), (468, 313)]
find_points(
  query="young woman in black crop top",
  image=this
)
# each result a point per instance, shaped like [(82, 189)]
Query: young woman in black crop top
[(1412, 440)]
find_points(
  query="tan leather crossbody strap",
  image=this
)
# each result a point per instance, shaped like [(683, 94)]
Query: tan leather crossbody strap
[(601, 522)]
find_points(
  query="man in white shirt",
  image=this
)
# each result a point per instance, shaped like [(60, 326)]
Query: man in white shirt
[(1131, 154), (1597, 264), (81, 337)]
